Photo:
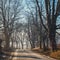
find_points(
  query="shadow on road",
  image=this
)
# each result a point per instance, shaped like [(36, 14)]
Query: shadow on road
[(10, 57)]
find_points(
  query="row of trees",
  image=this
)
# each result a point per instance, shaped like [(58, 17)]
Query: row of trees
[(9, 17), (42, 22), (41, 15)]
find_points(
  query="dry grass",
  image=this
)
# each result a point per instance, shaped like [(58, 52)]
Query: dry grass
[(36, 49), (55, 55)]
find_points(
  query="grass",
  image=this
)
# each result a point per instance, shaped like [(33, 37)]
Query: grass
[(55, 55)]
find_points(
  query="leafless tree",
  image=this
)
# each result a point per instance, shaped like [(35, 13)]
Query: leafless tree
[(10, 11), (51, 17)]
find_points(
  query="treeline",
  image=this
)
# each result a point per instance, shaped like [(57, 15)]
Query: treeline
[(42, 19), (10, 11)]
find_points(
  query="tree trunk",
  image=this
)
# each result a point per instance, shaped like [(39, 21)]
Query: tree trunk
[(52, 34), (40, 44), (7, 43), (12, 44), (53, 42), (47, 43), (0, 46), (33, 45), (44, 47)]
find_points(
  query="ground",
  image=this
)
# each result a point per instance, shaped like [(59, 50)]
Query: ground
[(26, 55)]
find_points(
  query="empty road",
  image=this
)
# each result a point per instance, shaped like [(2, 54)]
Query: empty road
[(27, 55)]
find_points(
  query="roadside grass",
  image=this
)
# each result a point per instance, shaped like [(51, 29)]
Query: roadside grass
[(55, 54)]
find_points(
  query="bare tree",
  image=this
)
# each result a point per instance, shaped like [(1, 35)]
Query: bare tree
[(10, 11), (51, 15)]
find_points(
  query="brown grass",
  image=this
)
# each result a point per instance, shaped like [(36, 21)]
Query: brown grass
[(36, 49), (55, 55)]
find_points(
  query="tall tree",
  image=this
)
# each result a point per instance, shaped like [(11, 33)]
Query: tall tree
[(10, 9), (51, 16)]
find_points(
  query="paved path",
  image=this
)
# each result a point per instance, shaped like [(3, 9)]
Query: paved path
[(27, 55)]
